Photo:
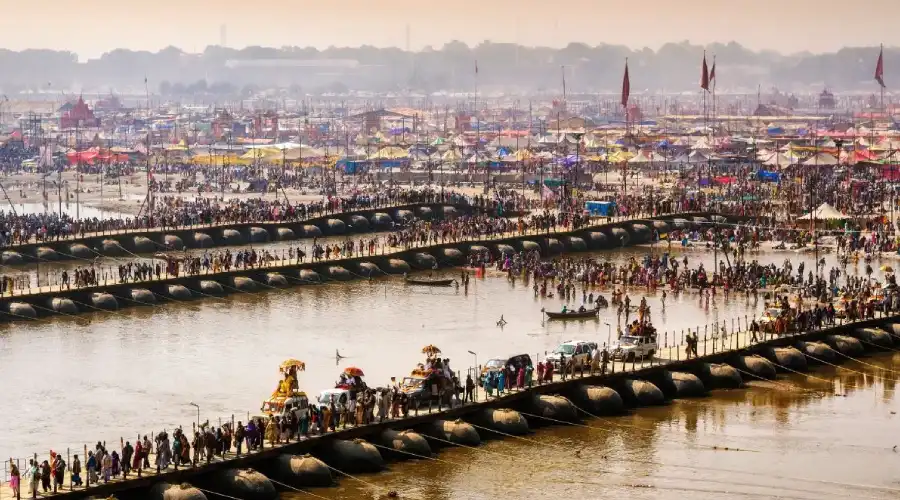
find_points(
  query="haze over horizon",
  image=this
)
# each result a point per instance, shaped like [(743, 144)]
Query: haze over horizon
[(100, 26)]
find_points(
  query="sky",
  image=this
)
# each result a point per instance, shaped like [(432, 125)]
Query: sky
[(92, 27)]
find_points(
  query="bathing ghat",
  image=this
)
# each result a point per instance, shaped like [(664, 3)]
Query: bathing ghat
[(320, 460), (62, 301)]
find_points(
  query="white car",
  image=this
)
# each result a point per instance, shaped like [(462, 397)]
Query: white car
[(341, 396), (631, 347), (577, 349)]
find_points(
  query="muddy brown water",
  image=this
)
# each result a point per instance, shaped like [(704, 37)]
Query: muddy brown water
[(72, 381)]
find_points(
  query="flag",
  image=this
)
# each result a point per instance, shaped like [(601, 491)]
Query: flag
[(476, 66), (712, 72), (626, 86), (879, 68), (704, 77)]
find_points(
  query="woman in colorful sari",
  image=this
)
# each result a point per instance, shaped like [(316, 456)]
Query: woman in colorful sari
[(501, 381), (271, 431), (14, 478), (488, 389), (529, 376)]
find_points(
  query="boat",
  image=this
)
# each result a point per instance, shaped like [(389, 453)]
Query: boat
[(421, 282), (590, 313)]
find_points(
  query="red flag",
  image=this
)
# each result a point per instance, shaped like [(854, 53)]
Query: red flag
[(712, 72), (879, 68), (704, 78), (626, 86)]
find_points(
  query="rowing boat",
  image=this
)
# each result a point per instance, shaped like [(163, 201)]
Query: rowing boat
[(421, 282), (590, 313)]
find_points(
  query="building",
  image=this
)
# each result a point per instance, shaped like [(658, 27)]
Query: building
[(826, 100), (78, 115)]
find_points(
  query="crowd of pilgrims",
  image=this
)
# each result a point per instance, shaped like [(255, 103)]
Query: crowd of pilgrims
[(480, 226), (174, 212), (662, 272)]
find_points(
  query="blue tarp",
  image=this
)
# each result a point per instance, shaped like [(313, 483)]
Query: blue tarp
[(766, 176), (600, 208), (775, 130)]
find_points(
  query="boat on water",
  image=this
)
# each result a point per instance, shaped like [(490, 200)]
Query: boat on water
[(589, 313), (429, 282)]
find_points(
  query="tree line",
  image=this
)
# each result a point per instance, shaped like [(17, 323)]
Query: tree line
[(674, 67)]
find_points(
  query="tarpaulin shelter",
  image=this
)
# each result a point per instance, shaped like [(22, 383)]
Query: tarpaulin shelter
[(767, 176), (600, 208), (87, 156)]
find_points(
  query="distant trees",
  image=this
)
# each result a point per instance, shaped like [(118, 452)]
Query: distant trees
[(225, 71)]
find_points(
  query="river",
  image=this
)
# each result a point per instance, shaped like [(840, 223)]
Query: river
[(782, 440), (100, 376)]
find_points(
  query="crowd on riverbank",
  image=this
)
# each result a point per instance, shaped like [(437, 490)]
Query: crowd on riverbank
[(174, 212)]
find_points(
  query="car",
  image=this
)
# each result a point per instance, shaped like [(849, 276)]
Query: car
[(495, 364), (340, 396), (579, 350), (282, 406), (631, 347), (420, 391)]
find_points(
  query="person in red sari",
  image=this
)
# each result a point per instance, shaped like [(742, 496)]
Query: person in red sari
[(138, 456), (548, 372), (520, 378)]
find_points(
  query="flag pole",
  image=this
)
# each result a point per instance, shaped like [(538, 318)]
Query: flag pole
[(882, 85), (715, 114)]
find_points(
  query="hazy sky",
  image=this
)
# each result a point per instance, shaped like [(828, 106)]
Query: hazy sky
[(91, 27)]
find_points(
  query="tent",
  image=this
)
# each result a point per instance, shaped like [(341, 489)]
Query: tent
[(823, 213), (821, 158), (780, 159), (640, 158), (698, 157)]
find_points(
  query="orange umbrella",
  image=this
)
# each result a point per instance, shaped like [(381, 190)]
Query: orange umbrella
[(353, 371)]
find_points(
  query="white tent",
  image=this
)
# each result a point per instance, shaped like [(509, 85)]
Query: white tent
[(781, 159), (824, 212), (640, 158), (682, 158), (821, 158), (656, 157), (698, 157), (701, 145)]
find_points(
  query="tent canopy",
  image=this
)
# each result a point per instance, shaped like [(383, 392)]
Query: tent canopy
[(824, 212)]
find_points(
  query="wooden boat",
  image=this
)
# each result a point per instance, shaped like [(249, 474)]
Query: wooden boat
[(590, 313), (424, 282)]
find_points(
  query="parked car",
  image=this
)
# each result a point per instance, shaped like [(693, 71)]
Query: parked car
[(579, 350), (340, 396), (495, 364), (631, 347)]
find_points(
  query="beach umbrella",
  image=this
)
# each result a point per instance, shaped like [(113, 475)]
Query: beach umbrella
[(353, 371)]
